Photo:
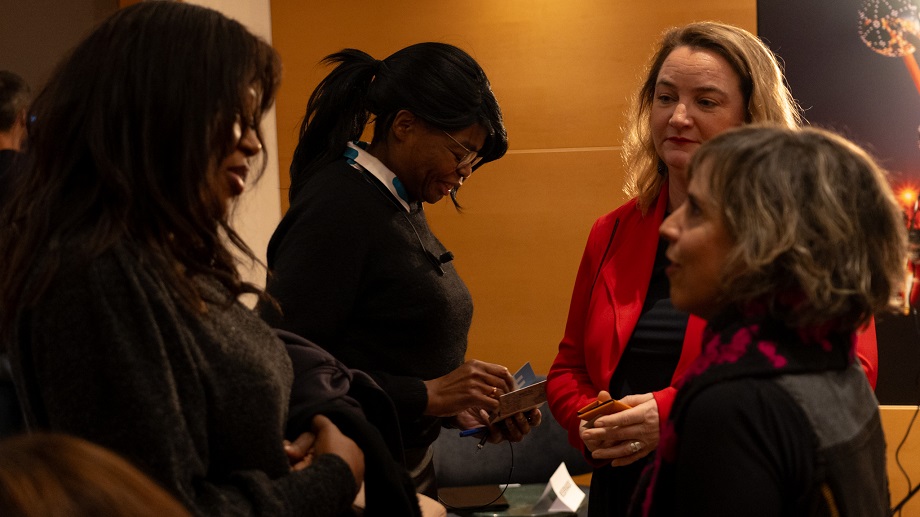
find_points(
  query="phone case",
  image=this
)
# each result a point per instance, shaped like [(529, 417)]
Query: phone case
[(601, 407)]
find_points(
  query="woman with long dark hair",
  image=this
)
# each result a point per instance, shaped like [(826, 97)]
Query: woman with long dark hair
[(119, 286)]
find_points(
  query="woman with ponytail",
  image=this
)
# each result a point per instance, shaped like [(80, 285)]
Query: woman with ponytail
[(355, 267)]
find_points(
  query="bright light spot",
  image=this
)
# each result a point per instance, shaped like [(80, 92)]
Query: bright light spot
[(907, 195)]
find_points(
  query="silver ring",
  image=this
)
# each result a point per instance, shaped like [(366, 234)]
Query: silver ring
[(635, 446)]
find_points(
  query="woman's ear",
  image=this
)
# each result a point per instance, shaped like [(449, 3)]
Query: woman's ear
[(404, 124)]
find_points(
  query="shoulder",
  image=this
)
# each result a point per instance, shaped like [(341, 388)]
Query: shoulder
[(341, 192), (120, 278), (605, 223), (745, 398), (745, 413), (338, 198)]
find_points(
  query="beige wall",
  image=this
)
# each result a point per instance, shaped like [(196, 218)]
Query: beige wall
[(562, 72), (257, 212)]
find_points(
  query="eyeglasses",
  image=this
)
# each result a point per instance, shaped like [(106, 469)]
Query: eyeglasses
[(472, 158)]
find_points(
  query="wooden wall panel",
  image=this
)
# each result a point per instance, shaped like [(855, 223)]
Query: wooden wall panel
[(518, 243), (562, 72), (895, 422)]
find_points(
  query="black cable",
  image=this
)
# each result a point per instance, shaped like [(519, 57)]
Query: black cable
[(499, 496), (911, 490), (435, 261)]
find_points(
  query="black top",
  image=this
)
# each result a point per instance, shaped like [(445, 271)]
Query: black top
[(653, 351), (764, 462), (350, 274), (6, 165), (770, 420)]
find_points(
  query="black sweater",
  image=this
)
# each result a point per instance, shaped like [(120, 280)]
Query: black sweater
[(351, 273)]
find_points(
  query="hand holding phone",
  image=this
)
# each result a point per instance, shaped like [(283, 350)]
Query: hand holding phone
[(602, 405)]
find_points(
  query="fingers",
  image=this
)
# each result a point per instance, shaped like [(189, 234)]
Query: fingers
[(331, 440), (320, 422), (622, 419), (623, 453), (516, 426), (494, 375), (534, 417), (300, 451), (302, 464), (473, 384), (644, 416), (635, 400), (300, 447)]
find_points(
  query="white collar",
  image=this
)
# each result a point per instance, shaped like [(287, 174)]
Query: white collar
[(360, 159)]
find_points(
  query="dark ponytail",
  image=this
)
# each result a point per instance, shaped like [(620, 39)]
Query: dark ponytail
[(336, 114), (437, 82)]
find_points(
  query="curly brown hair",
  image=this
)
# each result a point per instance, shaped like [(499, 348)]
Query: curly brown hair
[(812, 217)]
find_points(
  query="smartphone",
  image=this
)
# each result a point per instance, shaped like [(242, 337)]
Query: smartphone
[(601, 407)]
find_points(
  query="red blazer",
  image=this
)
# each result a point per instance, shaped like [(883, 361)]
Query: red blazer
[(604, 311)]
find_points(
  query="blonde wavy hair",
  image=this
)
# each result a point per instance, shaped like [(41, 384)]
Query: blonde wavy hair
[(819, 236), (765, 92)]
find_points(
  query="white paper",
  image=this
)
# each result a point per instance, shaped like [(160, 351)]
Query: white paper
[(561, 493)]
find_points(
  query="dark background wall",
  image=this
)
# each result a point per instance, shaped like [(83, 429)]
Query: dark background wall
[(844, 85), (841, 83), (35, 34)]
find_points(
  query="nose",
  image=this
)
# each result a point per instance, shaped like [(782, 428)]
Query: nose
[(669, 228), (680, 116), (465, 172), (249, 142)]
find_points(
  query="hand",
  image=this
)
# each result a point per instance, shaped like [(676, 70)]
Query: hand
[(300, 451), (513, 428), (626, 436), (470, 418), (474, 384), (330, 440)]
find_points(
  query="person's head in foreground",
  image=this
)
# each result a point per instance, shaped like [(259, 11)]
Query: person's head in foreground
[(800, 222), (788, 242), (145, 132), (55, 475)]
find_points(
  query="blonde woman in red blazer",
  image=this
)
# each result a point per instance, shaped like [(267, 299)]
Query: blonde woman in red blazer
[(705, 78)]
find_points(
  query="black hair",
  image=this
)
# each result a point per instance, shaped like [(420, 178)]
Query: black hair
[(14, 98), (127, 137), (439, 83)]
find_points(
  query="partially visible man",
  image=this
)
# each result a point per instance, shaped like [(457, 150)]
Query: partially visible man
[(14, 103), (15, 96)]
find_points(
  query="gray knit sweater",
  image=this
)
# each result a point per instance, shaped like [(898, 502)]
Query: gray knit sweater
[(197, 401)]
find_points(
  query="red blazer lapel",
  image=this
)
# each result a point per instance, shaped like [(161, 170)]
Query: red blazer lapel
[(628, 267)]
